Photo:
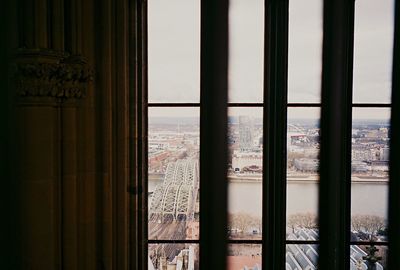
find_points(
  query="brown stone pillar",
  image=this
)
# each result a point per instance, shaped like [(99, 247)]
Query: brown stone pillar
[(48, 86), (69, 206)]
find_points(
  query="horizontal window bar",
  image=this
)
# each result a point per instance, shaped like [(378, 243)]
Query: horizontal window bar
[(368, 243), (357, 105), (235, 104), (372, 105), (259, 241), (170, 241), (358, 243), (173, 104), (242, 241), (301, 242), (230, 241), (304, 104), (239, 104)]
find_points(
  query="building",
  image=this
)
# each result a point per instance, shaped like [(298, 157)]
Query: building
[(359, 166), (380, 165), (306, 164), (73, 114), (384, 153), (245, 133), (241, 160)]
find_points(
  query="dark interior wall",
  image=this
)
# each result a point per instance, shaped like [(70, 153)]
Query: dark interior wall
[(8, 203), (65, 161)]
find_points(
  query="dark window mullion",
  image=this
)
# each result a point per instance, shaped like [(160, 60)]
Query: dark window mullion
[(213, 134), (301, 242), (394, 183), (178, 105), (274, 130), (303, 105), (336, 120), (235, 104), (371, 105), (139, 240), (240, 241), (239, 104), (368, 243), (247, 104), (166, 241)]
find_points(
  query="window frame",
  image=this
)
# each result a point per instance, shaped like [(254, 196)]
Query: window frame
[(338, 31), (394, 169)]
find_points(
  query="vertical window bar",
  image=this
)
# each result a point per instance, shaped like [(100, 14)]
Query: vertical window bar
[(141, 134), (274, 125), (213, 134), (134, 132), (336, 117), (394, 184)]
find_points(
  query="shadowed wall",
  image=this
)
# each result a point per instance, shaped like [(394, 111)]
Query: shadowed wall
[(65, 148)]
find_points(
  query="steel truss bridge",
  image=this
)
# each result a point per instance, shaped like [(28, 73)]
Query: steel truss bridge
[(175, 198)]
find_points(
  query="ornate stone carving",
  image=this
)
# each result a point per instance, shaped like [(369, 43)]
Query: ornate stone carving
[(49, 74)]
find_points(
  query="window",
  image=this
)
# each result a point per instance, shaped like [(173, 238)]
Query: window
[(173, 133), (265, 142), (303, 133), (373, 42)]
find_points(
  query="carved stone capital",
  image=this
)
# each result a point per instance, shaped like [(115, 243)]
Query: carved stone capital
[(49, 74)]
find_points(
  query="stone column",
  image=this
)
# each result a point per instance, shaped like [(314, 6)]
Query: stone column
[(47, 85)]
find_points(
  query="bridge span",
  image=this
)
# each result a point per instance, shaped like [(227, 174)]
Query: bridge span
[(175, 198)]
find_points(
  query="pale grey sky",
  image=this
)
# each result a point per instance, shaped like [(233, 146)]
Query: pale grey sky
[(174, 112), (246, 50), (305, 50), (373, 45), (174, 51)]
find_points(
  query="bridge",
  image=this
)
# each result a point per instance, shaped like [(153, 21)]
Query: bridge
[(295, 128), (175, 198), (172, 205)]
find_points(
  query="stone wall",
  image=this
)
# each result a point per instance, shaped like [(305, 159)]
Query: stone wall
[(69, 88)]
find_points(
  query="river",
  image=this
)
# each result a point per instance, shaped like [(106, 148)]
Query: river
[(302, 196)]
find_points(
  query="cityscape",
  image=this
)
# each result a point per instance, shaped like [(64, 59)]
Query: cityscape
[(174, 76), (173, 157)]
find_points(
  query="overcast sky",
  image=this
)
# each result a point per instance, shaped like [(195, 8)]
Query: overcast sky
[(174, 53)]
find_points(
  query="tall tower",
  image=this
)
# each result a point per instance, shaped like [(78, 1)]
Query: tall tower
[(245, 133)]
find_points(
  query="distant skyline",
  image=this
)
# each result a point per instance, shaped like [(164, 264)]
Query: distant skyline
[(177, 120), (293, 113)]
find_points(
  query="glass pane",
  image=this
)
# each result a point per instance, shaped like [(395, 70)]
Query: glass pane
[(246, 50), (302, 170), (301, 257), (373, 43), (245, 137), (244, 256), (370, 167), (173, 256), (173, 155), (174, 50), (305, 51), (358, 260)]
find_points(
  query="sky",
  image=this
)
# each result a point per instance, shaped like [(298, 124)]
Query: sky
[(174, 53)]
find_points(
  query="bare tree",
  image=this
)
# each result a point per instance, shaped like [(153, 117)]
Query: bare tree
[(291, 156), (243, 221), (378, 223), (302, 220), (368, 223), (257, 223), (357, 222)]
